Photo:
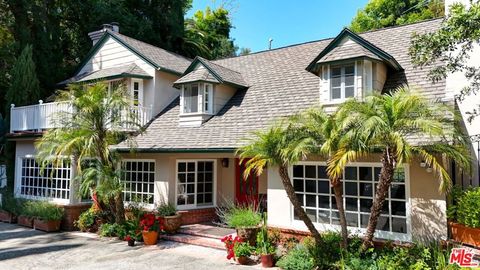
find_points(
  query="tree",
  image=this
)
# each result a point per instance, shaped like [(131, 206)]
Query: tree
[(95, 122), (25, 87), (452, 44), (279, 146), (212, 29), (245, 51), (382, 13), (325, 136), (389, 123)]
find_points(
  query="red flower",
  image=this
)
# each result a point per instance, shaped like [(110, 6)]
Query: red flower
[(128, 238)]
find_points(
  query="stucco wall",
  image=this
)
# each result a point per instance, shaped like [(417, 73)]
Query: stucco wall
[(427, 206), (23, 148)]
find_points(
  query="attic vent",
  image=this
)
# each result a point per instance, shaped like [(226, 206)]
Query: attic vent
[(96, 35)]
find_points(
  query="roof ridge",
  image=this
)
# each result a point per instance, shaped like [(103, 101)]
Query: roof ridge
[(324, 39), (148, 44), (222, 66)]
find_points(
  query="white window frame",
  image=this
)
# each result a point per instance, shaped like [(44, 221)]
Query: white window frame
[(18, 183), (407, 237), (140, 91), (214, 191), (205, 96), (342, 83), (154, 181)]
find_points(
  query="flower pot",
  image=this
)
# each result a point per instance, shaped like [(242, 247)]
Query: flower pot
[(25, 221), (464, 234), (46, 225), (243, 260), (248, 234), (150, 238), (131, 243), (171, 224), (7, 217), (267, 260)]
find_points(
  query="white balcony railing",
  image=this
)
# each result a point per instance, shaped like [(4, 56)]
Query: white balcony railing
[(43, 116)]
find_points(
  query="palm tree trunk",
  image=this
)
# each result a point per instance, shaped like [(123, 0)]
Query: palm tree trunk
[(338, 190), (119, 208), (386, 177), (297, 207)]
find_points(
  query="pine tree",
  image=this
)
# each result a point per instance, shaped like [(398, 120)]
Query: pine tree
[(25, 88)]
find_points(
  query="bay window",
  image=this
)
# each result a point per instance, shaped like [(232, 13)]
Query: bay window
[(342, 82), (197, 98), (195, 183)]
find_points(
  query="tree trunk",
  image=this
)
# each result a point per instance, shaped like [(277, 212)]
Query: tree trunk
[(119, 208), (386, 177), (297, 207), (338, 190)]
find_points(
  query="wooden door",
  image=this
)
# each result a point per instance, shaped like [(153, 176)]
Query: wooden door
[(246, 188)]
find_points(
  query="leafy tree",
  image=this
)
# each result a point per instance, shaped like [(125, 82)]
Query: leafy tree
[(382, 13), (212, 29), (279, 146), (245, 51), (25, 87), (387, 124), (452, 44), (95, 122)]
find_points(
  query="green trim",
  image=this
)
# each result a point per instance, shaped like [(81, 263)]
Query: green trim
[(363, 42), (177, 150)]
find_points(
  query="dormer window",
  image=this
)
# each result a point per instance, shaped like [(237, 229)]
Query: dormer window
[(342, 84), (197, 98)]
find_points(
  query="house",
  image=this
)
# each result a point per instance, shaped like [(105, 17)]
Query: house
[(198, 111)]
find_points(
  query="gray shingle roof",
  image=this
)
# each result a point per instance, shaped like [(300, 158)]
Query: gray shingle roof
[(218, 72), (279, 86), (348, 51), (164, 59), (131, 70)]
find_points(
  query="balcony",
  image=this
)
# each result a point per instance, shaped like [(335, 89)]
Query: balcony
[(42, 116)]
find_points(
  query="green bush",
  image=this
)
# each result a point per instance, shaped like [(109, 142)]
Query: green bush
[(11, 204), (468, 208), (242, 249), (242, 217), (298, 258), (42, 210), (453, 198), (112, 230), (86, 220), (166, 210)]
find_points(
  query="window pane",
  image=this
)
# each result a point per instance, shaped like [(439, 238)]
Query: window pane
[(352, 219), (399, 225), (323, 187), (349, 70), (336, 82), (322, 172), (336, 71), (366, 189), (349, 92), (351, 188), (324, 216), (365, 205), (298, 185), (349, 81), (310, 172), (351, 204), (311, 200), (397, 191), (311, 186), (365, 173), (194, 98), (350, 173), (383, 224), (324, 202), (398, 208), (336, 93), (297, 171)]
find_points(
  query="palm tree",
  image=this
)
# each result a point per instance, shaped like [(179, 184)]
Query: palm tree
[(279, 146), (325, 135), (95, 120), (401, 126)]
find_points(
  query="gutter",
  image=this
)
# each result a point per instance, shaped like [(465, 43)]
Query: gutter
[(176, 150)]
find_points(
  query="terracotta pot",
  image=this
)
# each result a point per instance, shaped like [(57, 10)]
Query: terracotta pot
[(267, 260), (25, 221), (150, 238), (249, 234), (7, 217), (243, 260), (131, 243), (47, 225), (171, 224), (464, 234)]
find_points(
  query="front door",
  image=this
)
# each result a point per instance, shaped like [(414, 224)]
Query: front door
[(246, 188)]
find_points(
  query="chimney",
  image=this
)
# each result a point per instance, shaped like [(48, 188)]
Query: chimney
[(96, 35)]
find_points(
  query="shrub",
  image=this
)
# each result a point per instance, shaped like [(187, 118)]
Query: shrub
[(11, 204), (87, 220), (42, 210), (242, 249), (453, 198), (166, 210), (468, 208), (328, 253), (242, 217), (298, 258), (112, 230)]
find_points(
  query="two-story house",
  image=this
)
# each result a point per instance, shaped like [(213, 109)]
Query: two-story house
[(198, 111)]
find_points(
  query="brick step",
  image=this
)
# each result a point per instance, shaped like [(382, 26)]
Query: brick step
[(189, 231), (195, 240)]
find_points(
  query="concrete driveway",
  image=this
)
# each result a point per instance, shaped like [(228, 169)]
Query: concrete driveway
[(22, 248)]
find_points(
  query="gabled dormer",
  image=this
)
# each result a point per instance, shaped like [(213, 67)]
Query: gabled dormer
[(351, 67), (205, 88)]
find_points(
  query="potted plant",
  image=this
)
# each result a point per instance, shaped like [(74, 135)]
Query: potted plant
[(265, 248), (171, 219), (230, 242), (150, 226), (130, 240), (464, 217), (242, 251), (246, 221), (9, 209), (48, 217), (27, 214)]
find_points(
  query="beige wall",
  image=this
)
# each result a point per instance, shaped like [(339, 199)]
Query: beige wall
[(165, 178), (427, 206)]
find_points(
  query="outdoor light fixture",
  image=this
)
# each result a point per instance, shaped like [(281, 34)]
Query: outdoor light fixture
[(225, 162), (423, 164)]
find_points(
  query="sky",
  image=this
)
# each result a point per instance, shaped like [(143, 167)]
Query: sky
[(287, 22)]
